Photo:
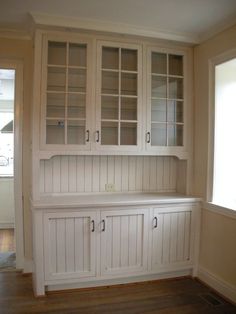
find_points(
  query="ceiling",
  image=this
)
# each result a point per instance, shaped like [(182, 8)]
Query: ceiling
[(184, 20)]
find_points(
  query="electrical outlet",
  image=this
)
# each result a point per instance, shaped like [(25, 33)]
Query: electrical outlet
[(110, 187)]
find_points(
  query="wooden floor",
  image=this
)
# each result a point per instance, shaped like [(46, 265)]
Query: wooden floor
[(7, 242), (184, 296)]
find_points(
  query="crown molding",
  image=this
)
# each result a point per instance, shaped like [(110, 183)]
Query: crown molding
[(111, 27)]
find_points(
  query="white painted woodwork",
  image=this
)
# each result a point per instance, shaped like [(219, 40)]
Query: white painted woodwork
[(134, 140), (172, 236), (89, 174), (124, 239), (123, 243), (93, 98), (57, 81), (69, 243)]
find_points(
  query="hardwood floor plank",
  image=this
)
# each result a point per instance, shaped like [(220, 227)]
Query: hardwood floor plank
[(182, 296)]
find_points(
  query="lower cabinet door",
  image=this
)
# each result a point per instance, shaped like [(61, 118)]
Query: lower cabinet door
[(124, 241), (172, 237), (69, 245)]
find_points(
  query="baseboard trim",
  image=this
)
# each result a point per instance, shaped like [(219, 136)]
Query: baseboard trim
[(219, 285), (7, 225), (28, 266)]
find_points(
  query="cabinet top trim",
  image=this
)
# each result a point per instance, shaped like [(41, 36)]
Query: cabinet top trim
[(117, 199)]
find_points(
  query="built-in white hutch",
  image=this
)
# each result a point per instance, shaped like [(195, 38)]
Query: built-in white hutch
[(112, 154)]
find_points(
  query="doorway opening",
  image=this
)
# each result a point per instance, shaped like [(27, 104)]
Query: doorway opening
[(7, 208), (11, 116)]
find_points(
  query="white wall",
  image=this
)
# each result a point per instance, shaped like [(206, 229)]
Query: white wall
[(7, 202)]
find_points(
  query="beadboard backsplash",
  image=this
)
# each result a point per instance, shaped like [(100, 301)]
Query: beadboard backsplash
[(89, 174)]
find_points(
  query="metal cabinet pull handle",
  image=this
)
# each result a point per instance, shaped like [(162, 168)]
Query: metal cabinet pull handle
[(93, 225), (155, 222), (87, 132), (97, 136), (148, 137), (103, 225)]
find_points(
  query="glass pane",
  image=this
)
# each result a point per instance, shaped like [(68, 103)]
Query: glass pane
[(175, 111), (109, 133), (110, 108), (128, 108), (175, 88), (56, 105), (56, 53), (128, 84), (77, 80), (129, 60), (76, 132), (56, 79), (175, 135), (77, 55), (110, 58), (175, 65), (76, 106), (55, 132), (128, 133), (159, 86), (158, 110), (158, 134), (159, 63), (110, 82)]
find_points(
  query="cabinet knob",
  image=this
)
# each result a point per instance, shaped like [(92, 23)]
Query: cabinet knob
[(93, 225), (97, 136), (103, 225), (87, 133), (148, 137), (155, 222)]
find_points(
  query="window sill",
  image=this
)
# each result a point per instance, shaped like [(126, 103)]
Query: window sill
[(221, 210)]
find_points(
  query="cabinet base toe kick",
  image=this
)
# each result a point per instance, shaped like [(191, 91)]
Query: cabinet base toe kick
[(101, 282)]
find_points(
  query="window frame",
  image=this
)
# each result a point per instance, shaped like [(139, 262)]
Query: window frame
[(209, 204)]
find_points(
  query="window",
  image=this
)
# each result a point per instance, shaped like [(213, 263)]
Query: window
[(224, 170)]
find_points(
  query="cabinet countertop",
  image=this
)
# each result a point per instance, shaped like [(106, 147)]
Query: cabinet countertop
[(113, 199)]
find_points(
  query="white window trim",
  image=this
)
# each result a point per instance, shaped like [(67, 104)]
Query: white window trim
[(229, 212)]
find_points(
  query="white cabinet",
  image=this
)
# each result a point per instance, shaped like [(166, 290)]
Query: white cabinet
[(101, 244), (69, 245), (101, 96), (172, 237), (166, 101), (118, 96), (66, 93), (124, 240)]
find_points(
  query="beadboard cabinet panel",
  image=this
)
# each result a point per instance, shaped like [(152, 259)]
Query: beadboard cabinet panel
[(69, 244), (88, 174), (172, 236), (124, 239)]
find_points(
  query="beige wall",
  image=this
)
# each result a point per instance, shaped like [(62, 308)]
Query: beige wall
[(217, 252), (23, 50)]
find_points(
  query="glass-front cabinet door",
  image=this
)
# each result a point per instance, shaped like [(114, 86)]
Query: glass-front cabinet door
[(65, 96), (165, 101), (118, 96)]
